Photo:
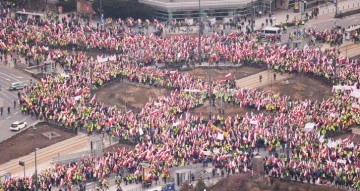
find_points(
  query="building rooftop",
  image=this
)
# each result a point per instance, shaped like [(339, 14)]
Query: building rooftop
[(194, 4)]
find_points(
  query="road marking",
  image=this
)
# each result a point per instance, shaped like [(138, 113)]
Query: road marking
[(7, 79), (8, 117), (2, 92), (9, 76), (19, 77), (15, 112)]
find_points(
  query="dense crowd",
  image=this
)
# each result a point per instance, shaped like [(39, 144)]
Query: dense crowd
[(166, 133)]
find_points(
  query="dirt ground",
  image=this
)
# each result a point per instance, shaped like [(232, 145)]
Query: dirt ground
[(134, 95), (23, 143), (302, 87)]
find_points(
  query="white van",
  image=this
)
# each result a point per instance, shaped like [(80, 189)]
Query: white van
[(270, 30)]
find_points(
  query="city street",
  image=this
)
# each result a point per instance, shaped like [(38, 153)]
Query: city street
[(9, 75)]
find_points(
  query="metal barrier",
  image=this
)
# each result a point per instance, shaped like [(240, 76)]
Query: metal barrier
[(76, 156), (192, 166), (60, 126)]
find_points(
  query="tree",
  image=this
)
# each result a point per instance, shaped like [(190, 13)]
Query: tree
[(200, 185), (123, 9)]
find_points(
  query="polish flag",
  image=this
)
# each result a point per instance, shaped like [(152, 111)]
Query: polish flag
[(93, 99), (228, 76)]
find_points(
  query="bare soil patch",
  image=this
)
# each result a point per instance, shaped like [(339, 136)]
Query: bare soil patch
[(135, 96), (301, 87), (356, 138), (23, 143)]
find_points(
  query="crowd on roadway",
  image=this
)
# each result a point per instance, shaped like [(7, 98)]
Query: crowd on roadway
[(166, 133)]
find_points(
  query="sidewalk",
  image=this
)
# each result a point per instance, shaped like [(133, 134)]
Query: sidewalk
[(45, 156), (325, 9)]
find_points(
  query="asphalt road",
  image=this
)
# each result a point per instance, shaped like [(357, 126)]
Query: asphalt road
[(9, 75), (330, 21)]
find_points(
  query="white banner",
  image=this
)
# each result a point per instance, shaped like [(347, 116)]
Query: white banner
[(220, 136), (341, 161), (207, 153)]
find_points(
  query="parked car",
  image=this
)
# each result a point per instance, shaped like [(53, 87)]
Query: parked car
[(18, 85), (17, 125)]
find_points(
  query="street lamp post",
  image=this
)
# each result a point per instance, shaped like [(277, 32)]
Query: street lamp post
[(335, 74), (288, 107), (210, 95), (287, 143), (252, 15), (200, 23), (336, 8), (91, 65), (35, 185)]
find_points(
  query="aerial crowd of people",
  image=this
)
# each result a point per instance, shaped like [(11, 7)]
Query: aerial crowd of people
[(166, 133)]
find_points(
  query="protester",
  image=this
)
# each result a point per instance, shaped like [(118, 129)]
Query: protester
[(167, 135)]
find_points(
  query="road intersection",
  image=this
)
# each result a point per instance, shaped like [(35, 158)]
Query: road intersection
[(9, 75)]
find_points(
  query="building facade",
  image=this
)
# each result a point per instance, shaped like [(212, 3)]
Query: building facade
[(181, 9)]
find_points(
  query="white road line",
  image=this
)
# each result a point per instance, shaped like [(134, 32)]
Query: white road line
[(7, 79), (11, 93), (8, 117), (25, 118), (4, 81), (2, 92), (20, 77), (9, 76), (15, 112)]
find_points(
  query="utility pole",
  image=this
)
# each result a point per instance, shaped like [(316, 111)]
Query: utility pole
[(210, 96), (91, 68), (252, 15), (335, 74), (288, 134), (287, 144), (200, 30), (336, 8), (101, 14), (36, 181)]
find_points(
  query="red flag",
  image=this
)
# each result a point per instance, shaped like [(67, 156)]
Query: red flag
[(228, 76), (93, 99)]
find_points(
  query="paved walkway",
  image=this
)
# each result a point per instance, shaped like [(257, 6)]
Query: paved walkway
[(45, 155), (267, 78)]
